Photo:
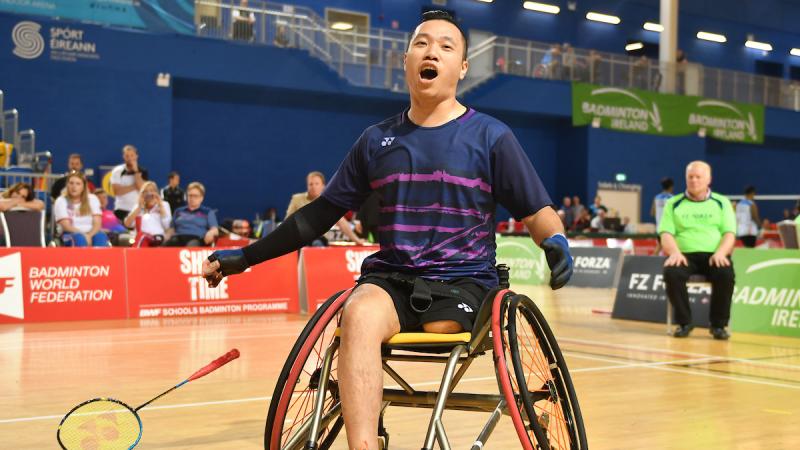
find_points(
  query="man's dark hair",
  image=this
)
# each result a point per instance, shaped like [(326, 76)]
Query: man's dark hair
[(447, 17), (667, 183), (750, 189), (172, 175)]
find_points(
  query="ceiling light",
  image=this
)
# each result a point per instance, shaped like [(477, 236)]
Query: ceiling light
[(541, 7), (758, 45), (342, 26), (605, 18), (650, 26), (634, 46), (486, 1), (711, 37), (795, 52)]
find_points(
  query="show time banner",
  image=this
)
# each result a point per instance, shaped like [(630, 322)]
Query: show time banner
[(639, 111)]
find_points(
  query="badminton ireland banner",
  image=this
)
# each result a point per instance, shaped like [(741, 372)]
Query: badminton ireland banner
[(639, 111), (767, 294)]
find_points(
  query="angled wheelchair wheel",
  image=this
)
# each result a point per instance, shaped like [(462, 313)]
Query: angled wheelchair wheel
[(292, 405), (534, 379)]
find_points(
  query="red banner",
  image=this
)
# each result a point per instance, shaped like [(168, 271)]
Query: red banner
[(328, 270), (60, 284), (168, 282)]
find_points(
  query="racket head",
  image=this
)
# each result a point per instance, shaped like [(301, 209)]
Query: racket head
[(100, 424)]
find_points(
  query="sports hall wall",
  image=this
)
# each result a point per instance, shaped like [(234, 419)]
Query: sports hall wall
[(251, 121)]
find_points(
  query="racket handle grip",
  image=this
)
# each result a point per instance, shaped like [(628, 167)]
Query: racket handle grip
[(215, 364)]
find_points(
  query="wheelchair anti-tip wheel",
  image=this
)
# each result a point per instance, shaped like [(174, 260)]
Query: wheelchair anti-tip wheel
[(534, 379), (290, 413)]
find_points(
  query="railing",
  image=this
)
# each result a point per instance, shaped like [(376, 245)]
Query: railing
[(374, 57)]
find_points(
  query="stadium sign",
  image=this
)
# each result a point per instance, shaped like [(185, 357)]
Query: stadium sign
[(639, 111), (767, 294), (68, 44)]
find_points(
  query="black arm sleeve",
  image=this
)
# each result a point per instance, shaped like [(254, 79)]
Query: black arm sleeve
[(298, 230)]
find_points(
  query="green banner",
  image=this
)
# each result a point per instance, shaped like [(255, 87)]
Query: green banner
[(648, 112), (526, 260), (767, 294)]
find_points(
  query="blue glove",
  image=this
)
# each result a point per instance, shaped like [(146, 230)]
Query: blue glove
[(230, 262), (556, 250)]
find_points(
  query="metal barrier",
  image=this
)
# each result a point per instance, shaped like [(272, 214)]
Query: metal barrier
[(374, 57)]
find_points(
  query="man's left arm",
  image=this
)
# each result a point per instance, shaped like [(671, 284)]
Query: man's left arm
[(517, 186), (728, 231)]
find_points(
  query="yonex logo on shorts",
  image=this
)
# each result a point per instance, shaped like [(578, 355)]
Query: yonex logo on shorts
[(387, 141), (465, 307), (28, 42)]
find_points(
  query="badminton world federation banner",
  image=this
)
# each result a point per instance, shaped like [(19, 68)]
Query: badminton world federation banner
[(639, 111)]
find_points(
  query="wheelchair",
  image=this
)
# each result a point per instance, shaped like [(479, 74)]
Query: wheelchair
[(535, 387)]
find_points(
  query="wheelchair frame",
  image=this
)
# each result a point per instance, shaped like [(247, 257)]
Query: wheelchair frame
[(462, 352)]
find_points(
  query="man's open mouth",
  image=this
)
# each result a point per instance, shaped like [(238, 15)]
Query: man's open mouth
[(428, 73)]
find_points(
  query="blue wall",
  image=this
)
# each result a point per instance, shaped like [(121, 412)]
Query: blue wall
[(251, 121)]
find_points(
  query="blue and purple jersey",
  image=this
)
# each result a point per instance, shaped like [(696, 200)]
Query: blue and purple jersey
[(438, 190)]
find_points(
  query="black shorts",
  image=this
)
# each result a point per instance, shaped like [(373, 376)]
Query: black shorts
[(462, 310)]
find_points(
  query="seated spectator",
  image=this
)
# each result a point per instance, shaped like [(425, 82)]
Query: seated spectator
[(193, 225), (597, 223), (20, 196), (315, 184), (584, 221), (74, 164), (627, 226), (109, 222), (597, 206), (78, 214), (151, 217), (241, 228), (173, 194), (567, 213)]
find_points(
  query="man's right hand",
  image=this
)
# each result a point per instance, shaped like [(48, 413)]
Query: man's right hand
[(223, 263), (676, 259)]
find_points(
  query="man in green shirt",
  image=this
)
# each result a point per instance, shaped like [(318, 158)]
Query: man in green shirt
[(698, 231)]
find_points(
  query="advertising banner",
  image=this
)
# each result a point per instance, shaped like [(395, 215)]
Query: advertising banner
[(328, 270), (595, 267), (641, 295), (767, 294), (61, 284), (525, 259), (168, 282), (649, 112)]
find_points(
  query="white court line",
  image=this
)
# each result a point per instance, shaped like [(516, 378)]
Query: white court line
[(678, 352)]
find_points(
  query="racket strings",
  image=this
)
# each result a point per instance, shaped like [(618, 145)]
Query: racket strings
[(100, 425)]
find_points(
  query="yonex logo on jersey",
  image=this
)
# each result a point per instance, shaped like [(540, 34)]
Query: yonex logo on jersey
[(465, 307), (387, 141)]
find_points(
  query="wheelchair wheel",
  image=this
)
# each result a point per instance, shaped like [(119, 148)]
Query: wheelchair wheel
[(534, 379), (292, 405)]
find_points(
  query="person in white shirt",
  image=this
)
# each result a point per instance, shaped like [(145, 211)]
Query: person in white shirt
[(151, 217), (78, 214), (747, 218), (126, 181)]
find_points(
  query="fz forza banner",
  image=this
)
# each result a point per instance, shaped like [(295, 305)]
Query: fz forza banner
[(648, 112), (767, 294), (641, 294), (168, 282), (61, 284), (595, 267)]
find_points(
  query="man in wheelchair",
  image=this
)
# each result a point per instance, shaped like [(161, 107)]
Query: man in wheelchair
[(440, 168)]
